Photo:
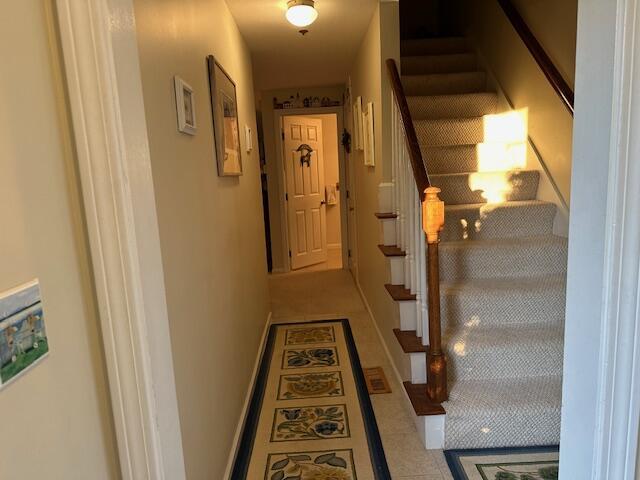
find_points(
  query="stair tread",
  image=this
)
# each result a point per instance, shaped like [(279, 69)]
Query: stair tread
[(422, 404), (399, 293), (385, 215), (425, 46), (506, 334), (392, 251), (509, 204), (428, 84), (409, 341), (505, 242)]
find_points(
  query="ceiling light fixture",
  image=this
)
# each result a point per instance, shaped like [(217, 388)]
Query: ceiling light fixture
[(301, 13)]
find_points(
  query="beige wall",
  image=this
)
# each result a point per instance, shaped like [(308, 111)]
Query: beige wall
[(56, 420), (272, 162), (211, 227), (520, 78), (373, 270)]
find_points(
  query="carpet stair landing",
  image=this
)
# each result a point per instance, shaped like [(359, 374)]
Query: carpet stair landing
[(503, 272)]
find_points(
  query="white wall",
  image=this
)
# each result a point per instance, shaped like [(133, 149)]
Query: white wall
[(56, 420), (590, 172), (211, 227)]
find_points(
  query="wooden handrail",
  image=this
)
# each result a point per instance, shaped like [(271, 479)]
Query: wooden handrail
[(433, 221), (413, 146), (543, 60)]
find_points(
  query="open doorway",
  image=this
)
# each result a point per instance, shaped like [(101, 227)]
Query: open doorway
[(311, 179)]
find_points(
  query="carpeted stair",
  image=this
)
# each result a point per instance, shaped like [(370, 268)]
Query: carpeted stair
[(502, 269)]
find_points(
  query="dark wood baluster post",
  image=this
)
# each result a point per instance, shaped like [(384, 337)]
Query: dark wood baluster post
[(433, 221)]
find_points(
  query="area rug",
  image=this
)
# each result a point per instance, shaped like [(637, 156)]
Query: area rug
[(526, 463), (310, 416)]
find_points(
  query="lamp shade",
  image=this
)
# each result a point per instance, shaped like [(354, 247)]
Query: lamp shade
[(301, 13)]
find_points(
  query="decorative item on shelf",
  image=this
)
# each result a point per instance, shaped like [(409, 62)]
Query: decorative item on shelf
[(307, 102), (369, 136), (23, 338), (326, 102), (357, 124), (287, 104), (315, 103), (298, 102), (346, 141), (224, 108), (185, 107)]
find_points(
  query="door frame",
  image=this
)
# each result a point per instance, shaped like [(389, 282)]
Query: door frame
[(278, 116), (104, 88), (601, 384)]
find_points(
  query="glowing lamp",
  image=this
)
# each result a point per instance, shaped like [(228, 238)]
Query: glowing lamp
[(301, 13)]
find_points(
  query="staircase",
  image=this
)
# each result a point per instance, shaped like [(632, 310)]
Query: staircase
[(502, 271)]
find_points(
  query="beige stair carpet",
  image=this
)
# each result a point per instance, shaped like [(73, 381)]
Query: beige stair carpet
[(503, 270)]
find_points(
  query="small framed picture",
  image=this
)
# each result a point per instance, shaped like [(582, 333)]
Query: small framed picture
[(185, 106), (369, 136), (357, 124), (226, 129)]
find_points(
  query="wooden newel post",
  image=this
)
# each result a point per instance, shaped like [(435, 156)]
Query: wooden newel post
[(433, 221)]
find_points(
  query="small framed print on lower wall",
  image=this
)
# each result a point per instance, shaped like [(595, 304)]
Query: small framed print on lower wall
[(23, 337)]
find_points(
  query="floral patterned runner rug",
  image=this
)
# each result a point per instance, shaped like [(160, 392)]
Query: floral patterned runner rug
[(310, 416), (526, 463)]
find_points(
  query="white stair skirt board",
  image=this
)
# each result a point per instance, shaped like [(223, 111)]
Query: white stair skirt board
[(389, 236), (408, 320), (385, 197), (431, 430), (396, 265), (418, 367)]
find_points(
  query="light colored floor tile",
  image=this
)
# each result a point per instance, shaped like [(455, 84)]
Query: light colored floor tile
[(328, 294)]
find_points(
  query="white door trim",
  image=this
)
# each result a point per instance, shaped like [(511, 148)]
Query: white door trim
[(282, 185), (618, 420), (105, 92)]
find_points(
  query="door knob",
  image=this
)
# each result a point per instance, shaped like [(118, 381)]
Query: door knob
[(323, 202)]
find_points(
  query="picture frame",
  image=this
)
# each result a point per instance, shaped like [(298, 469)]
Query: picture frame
[(369, 136), (23, 337), (185, 106), (357, 124), (226, 125)]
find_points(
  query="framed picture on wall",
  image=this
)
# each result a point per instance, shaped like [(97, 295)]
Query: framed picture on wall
[(357, 124), (226, 130), (185, 107), (369, 136)]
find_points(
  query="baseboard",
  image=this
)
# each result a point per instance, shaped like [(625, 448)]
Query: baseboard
[(247, 399)]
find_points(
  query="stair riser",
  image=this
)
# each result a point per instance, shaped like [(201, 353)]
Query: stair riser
[(502, 261), (435, 46), (396, 267), (503, 307), (457, 189), (452, 63), (444, 84), (488, 222), (507, 359), (389, 235), (450, 159), (408, 315), (458, 131), (452, 106), (418, 363)]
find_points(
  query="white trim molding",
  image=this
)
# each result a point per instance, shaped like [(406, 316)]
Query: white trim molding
[(105, 94), (618, 420), (601, 384)]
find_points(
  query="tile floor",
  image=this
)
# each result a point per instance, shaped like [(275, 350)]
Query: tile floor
[(333, 294)]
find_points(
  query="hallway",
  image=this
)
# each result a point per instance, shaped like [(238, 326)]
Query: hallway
[(333, 294)]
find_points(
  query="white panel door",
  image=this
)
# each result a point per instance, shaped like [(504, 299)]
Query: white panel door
[(306, 209)]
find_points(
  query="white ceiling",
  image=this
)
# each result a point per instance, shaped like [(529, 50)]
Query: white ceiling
[(283, 58)]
